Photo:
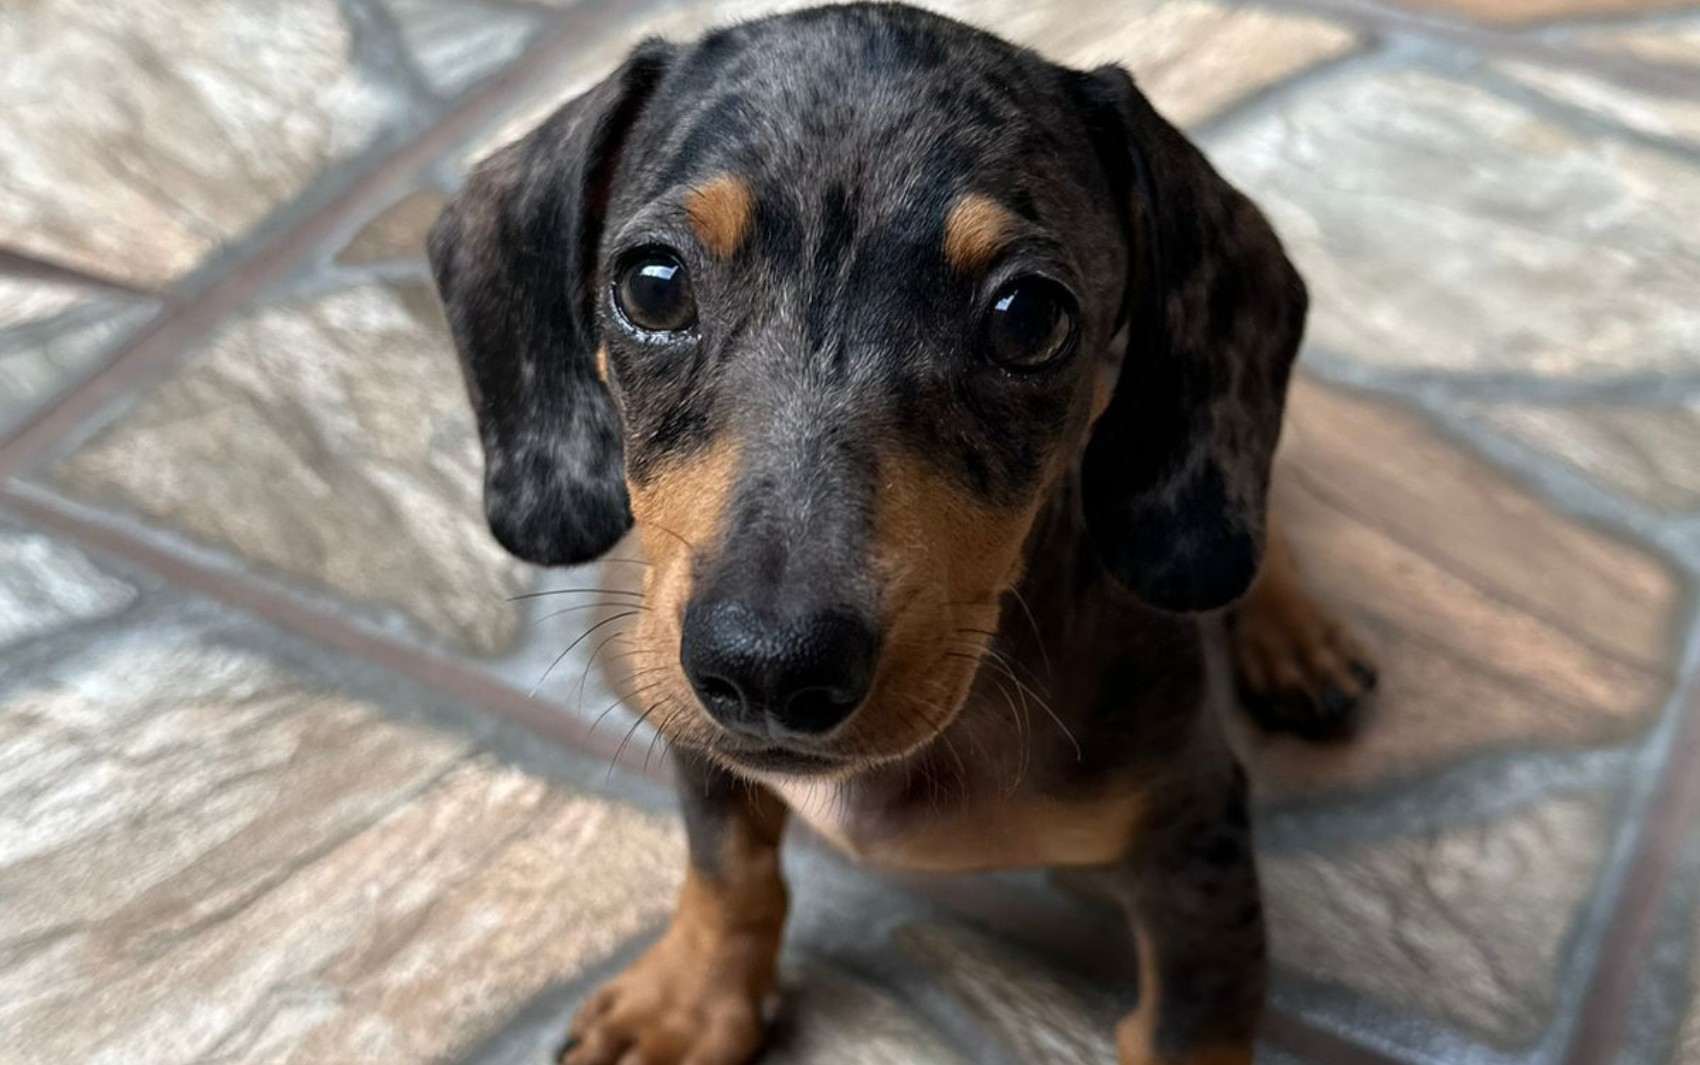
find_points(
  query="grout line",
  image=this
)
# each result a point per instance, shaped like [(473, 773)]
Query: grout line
[(1671, 80), (1674, 807), (1064, 939), (160, 343), (423, 666), (15, 263), (1651, 389), (1318, 1046)]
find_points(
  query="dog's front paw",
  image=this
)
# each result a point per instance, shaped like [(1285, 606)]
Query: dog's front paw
[(1298, 668), (683, 1003)]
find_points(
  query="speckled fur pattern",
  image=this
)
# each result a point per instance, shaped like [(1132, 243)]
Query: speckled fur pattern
[(1033, 553)]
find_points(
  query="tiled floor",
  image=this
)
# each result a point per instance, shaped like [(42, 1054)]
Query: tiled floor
[(272, 786)]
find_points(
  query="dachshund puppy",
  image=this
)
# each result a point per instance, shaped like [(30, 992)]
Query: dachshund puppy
[(941, 384)]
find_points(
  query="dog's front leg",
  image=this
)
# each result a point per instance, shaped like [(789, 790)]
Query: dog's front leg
[(697, 996), (1190, 888)]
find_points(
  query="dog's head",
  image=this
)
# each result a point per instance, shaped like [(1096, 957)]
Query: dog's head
[(828, 303)]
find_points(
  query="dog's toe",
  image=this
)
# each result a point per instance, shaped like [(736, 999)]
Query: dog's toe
[(1307, 676)]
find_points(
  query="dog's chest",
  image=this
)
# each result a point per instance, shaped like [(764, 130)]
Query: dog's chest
[(960, 827)]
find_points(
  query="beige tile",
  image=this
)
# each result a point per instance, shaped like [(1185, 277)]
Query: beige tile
[(1195, 57), (1028, 1007), (327, 439), (1443, 227), (1514, 11), (239, 865), (24, 300), (55, 339), (47, 585), (1671, 44), (1497, 623), (455, 43), (1465, 926), (1650, 456), (1688, 1044), (186, 126), (830, 1018)]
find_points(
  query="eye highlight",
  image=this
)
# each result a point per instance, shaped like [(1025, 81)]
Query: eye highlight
[(653, 291), (1030, 324)]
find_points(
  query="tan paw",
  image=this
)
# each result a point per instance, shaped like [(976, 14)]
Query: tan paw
[(1298, 668), (680, 1004)]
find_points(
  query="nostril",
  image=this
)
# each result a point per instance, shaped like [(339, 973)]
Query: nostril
[(816, 710), (715, 690), (753, 670), (720, 697)]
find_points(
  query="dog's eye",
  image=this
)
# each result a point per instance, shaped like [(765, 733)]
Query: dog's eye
[(654, 292), (1030, 325)]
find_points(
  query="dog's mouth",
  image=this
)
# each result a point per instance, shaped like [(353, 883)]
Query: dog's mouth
[(789, 761)]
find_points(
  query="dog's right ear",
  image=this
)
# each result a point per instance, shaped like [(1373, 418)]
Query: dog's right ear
[(515, 257)]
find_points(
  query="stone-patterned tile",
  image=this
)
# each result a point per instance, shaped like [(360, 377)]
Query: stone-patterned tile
[(1650, 455), (24, 300), (833, 1019), (1035, 1012), (457, 42), (1195, 57), (58, 346), (1688, 1043), (184, 129), (242, 865), (1518, 11), (1497, 622), (330, 440), (397, 233), (1670, 117), (46, 585), (1442, 226), (1464, 926)]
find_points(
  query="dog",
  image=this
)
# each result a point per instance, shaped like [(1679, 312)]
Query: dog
[(941, 384)]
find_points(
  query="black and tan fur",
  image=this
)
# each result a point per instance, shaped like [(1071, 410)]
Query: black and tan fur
[(1023, 554)]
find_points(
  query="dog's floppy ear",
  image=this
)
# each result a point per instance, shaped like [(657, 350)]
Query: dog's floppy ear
[(514, 256), (1176, 473)]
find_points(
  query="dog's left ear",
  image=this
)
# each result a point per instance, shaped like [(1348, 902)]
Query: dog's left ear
[(514, 257), (1176, 474)]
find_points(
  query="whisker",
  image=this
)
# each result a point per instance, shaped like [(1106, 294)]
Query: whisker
[(661, 734), (621, 749), (590, 606), (670, 532), (584, 674), (619, 700), (1023, 731), (1038, 636), (558, 658), (571, 591)]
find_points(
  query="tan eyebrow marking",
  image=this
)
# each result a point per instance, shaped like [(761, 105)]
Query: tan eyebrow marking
[(975, 231), (720, 210)]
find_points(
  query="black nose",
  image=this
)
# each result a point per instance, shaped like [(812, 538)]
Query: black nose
[(768, 675)]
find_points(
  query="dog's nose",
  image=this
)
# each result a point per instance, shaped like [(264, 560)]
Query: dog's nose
[(769, 676)]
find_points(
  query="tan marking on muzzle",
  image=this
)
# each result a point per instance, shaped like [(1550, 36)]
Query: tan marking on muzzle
[(679, 512), (977, 229), (720, 210), (942, 559), (679, 508), (602, 363)]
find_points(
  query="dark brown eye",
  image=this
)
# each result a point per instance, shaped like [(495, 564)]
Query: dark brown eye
[(1030, 324), (654, 292)]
